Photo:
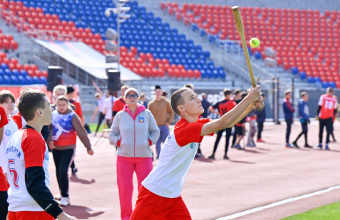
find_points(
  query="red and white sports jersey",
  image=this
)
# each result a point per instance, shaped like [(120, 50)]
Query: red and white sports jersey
[(328, 104), (9, 130), (21, 122), (167, 178), (26, 149)]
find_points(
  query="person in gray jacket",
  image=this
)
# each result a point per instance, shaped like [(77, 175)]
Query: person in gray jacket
[(134, 130)]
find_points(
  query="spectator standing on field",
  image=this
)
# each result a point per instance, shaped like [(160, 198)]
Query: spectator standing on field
[(205, 105), (304, 119), (107, 111), (260, 119), (143, 100), (162, 111), (134, 130), (251, 118), (327, 109), (237, 98), (100, 107), (288, 111), (240, 128), (119, 104), (223, 107)]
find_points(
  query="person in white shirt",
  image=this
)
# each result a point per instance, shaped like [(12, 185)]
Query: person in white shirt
[(100, 107), (160, 194), (108, 104)]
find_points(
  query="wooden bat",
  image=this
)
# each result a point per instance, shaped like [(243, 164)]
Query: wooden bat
[(240, 29)]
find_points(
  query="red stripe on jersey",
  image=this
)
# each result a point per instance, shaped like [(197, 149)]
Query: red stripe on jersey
[(3, 117), (34, 148), (186, 132), (17, 119)]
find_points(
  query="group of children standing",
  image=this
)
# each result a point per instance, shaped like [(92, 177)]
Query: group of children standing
[(24, 154)]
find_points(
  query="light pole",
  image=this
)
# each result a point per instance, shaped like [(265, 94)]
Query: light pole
[(120, 11)]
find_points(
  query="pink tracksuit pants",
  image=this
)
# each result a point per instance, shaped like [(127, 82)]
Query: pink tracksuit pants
[(126, 166)]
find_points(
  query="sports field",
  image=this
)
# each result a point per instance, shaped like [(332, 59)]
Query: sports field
[(251, 178)]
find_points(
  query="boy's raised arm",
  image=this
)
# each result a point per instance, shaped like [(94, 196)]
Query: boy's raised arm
[(236, 114)]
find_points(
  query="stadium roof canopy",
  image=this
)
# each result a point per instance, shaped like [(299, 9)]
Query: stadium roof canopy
[(86, 58)]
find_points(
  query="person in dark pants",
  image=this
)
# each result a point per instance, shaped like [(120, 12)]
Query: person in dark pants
[(99, 107), (288, 111), (260, 119), (223, 107), (326, 111), (304, 119), (65, 127), (237, 98)]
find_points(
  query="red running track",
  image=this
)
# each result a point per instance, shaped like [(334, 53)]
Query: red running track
[(251, 178)]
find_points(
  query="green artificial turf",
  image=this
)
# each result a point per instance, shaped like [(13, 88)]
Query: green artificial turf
[(327, 212)]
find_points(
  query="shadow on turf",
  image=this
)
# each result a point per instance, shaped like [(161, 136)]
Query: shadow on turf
[(203, 159), (81, 212), (75, 179), (239, 161), (253, 151)]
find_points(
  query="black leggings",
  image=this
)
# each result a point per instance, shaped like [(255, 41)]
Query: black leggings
[(259, 132), (3, 205), (62, 161), (289, 128), (100, 119), (329, 128), (234, 137), (227, 138), (304, 131)]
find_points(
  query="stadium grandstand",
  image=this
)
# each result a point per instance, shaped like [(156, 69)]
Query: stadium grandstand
[(173, 43)]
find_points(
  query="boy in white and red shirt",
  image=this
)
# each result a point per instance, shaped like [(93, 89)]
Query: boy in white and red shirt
[(328, 105), (29, 196), (159, 196), (3, 181)]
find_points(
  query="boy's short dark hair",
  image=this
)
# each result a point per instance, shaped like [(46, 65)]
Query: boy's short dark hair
[(164, 93), (62, 98), (29, 102), (227, 92), (237, 91), (244, 94), (263, 95), (70, 89), (303, 94), (157, 87), (330, 90), (177, 99), (189, 85), (4, 95), (124, 87), (287, 92)]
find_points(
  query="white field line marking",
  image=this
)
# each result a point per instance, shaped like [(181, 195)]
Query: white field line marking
[(243, 213)]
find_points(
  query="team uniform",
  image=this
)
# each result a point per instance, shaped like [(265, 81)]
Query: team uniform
[(3, 181), (118, 105), (223, 107), (327, 108), (29, 196), (159, 196)]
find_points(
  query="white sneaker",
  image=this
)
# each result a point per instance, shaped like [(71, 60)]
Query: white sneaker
[(57, 197), (64, 201)]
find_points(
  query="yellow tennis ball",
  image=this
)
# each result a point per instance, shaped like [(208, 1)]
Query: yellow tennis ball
[(254, 42)]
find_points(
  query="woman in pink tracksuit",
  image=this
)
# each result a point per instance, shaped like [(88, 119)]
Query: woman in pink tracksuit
[(133, 130)]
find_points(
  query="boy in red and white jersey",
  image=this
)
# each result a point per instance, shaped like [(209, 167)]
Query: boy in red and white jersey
[(159, 196), (27, 155), (328, 105), (7, 101), (3, 181)]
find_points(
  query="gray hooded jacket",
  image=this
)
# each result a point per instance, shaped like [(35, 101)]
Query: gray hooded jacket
[(134, 134)]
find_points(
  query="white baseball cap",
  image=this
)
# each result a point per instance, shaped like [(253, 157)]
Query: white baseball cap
[(131, 89)]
